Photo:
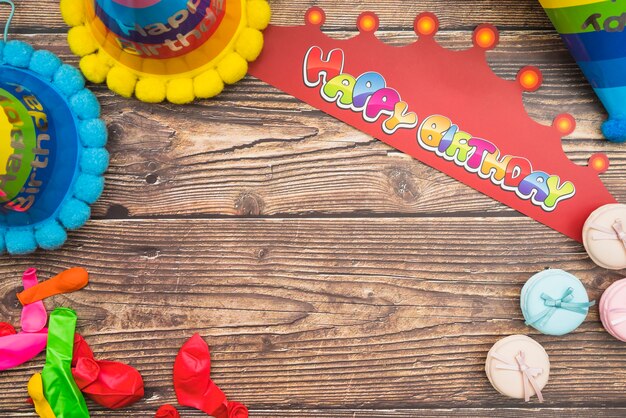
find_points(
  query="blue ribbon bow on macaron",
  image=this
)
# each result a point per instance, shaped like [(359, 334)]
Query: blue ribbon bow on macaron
[(564, 302)]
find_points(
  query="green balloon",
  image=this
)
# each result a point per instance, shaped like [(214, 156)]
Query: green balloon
[(59, 387)]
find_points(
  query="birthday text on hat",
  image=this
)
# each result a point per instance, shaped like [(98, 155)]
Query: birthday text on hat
[(369, 95), (37, 118), (178, 43)]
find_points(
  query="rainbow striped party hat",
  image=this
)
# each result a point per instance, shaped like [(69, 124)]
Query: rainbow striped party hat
[(175, 50), (594, 32)]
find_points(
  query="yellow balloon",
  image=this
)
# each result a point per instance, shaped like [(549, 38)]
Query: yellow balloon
[(35, 390)]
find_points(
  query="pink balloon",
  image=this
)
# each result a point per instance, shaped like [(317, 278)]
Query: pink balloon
[(16, 349), (34, 316)]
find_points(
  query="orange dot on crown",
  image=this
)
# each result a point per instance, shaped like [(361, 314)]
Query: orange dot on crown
[(315, 16), (486, 36), (599, 162), (530, 78), (564, 123), (426, 24), (367, 22)]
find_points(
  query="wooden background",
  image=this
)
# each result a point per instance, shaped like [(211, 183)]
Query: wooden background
[(331, 275)]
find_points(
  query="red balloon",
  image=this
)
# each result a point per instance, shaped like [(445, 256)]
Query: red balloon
[(6, 329), (193, 384), (167, 411), (111, 384), (237, 410)]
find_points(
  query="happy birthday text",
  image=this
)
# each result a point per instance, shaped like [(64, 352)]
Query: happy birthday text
[(369, 95)]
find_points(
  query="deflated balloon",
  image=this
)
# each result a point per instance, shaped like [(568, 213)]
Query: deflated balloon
[(60, 389), (193, 385), (34, 315), (237, 410), (16, 349), (167, 411), (35, 390), (67, 281), (109, 383), (6, 329)]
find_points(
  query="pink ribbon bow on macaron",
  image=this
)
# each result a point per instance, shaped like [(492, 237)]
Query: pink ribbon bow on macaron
[(619, 231), (616, 232), (528, 373)]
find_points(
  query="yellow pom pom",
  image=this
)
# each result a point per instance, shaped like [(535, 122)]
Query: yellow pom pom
[(232, 68), (73, 12), (121, 81), (249, 44), (180, 90), (93, 68), (208, 84), (150, 90), (259, 14), (80, 40)]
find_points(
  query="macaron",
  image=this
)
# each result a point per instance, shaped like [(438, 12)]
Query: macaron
[(613, 309), (604, 236), (554, 302), (518, 367)]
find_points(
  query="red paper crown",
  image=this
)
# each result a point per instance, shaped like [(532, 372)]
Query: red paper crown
[(445, 108)]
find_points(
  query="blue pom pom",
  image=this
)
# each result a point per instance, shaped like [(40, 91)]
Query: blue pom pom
[(94, 161), (89, 184), (50, 235), (69, 80), (93, 133), (615, 130), (20, 241), (3, 246), (88, 188), (74, 214), (45, 63), (17, 53), (85, 104)]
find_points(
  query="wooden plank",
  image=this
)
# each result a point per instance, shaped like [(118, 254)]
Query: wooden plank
[(332, 313), (257, 151), (397, 413), (329, 317), (454, 14), (464, 412)]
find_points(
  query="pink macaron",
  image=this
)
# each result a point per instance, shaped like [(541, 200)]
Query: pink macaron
[(613, 309), (604, 236), (517, 366)]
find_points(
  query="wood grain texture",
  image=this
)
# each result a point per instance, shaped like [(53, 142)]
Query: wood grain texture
[(388, 313), (406, 413), (331, 275)]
